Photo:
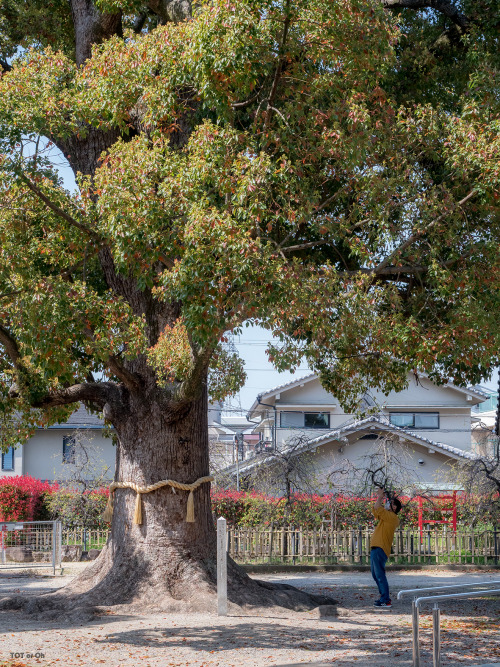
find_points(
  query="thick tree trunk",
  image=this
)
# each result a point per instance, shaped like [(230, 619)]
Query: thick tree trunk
[(165, 563), (165, 558)]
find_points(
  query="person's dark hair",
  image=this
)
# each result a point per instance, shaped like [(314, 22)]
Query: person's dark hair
[(398, 505)]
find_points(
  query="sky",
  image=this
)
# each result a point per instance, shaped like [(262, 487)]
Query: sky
[(262, 376), (251, 344)]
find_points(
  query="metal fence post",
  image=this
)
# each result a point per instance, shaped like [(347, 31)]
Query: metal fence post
[(415, 638), (59, 544), (436, 636), (54, 546), (221, 566)]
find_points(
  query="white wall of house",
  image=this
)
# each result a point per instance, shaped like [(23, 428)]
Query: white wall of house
[(452, 406), (42, 455), (434, 472)]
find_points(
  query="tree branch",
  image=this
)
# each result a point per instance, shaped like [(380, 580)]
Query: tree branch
[(414, 237), (92, 27), (5, 66), (59, 211), (444, 7), (171, 11), (99, 393), (277, 73), (129, 379), (10, 345), (139, 22), (190, 387)]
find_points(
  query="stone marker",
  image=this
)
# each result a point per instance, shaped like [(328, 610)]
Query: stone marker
[(325, 611), (71, 552)]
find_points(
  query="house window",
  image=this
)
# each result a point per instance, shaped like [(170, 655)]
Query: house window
[(317, 420), (68, 449), (8, 459), (419, 420), (305, 420), (292, 419)]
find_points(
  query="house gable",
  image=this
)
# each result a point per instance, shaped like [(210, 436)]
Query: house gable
[(420, 393)]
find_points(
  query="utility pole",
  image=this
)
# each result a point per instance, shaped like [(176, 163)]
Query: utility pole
[(238, 443), (497, 419)]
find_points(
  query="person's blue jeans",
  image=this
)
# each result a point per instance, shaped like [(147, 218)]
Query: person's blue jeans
[(378, 559)]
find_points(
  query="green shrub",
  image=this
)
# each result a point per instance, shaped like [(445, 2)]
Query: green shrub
[(76, 509)]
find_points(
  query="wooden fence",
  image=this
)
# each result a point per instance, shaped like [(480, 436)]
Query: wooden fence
[(88, 539), (303, 546)]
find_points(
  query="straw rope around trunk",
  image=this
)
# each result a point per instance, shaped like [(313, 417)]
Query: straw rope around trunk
[(108, 512)]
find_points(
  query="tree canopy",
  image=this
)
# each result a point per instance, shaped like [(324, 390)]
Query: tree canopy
[(329, 169)]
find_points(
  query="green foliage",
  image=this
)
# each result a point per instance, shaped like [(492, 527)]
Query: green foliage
[(76, 509), (329, 170), (226, 375), (171, 357)]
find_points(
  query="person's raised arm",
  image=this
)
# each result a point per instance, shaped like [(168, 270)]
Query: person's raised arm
[(380, 498)]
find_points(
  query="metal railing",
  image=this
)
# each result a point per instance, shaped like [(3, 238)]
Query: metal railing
[(436, 613), (30, 544)]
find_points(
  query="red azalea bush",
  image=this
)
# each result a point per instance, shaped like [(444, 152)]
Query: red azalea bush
[(251, 509), (23, 498)]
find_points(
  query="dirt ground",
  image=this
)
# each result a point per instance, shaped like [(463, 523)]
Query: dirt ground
[(360, 635)]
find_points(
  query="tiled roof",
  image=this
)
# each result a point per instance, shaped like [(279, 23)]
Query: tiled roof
[(285, 385), (360, 424), (82, 418), (483, 391)]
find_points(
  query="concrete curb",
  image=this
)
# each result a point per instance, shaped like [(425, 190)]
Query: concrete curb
[(264, 568)]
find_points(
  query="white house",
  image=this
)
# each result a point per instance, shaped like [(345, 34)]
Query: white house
[(231, 436), (432, 423), (49, 454)]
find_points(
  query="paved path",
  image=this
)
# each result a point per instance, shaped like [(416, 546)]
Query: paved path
[(360, 636)]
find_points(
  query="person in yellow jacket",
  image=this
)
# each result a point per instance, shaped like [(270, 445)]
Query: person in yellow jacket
[(386, 512)]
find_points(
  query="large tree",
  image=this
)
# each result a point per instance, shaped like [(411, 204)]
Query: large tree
[(328, 169)]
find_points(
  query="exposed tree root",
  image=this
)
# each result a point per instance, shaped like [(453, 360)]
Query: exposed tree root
[(132, 587)]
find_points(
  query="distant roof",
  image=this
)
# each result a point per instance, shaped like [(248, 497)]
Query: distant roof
[(217, 426), (478, 391), (234, 422), (486, 391), (82, 418)]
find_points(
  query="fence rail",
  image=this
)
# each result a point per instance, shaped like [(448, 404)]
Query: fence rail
[(302, 546), (30, 544), (325, 546), (85, 537)]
